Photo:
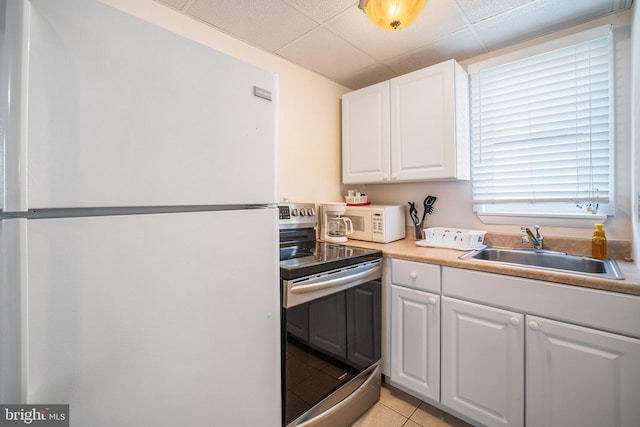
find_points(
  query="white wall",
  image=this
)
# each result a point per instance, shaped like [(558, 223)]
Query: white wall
[(309, 123), (309, 112), (453, 207)]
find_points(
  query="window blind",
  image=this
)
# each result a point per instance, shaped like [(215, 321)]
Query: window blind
[(541, 127)]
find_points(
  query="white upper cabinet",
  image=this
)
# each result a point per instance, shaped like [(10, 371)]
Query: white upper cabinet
[(412, 128), (430, 124), (365, 135)]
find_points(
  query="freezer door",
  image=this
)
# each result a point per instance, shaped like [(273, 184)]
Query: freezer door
[(124, 113), (156, 320)]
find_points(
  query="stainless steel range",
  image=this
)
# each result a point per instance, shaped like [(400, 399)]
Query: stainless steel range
[(331, 324)]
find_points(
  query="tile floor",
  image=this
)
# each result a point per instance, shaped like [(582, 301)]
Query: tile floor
[(399, 409)]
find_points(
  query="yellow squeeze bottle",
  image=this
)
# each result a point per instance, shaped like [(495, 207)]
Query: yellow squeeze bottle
[(599, 243)]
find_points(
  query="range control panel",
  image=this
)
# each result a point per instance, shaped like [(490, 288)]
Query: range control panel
[(297, 215)]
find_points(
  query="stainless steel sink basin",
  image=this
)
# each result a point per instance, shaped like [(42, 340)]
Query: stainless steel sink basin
[(549, 260)]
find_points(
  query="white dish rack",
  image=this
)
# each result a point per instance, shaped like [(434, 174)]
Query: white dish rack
[(453, 238), (356, 200)]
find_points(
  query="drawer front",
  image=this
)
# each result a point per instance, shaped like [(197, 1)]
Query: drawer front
[(415, 275), (610, 311)]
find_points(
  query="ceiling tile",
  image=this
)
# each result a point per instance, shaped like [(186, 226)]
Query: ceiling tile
[(537, 18), (459, 46), (327, 54), (335, 38), (367, 76), (478, 10), (322, 11), (438, 19), (177, 4), (267, 24)]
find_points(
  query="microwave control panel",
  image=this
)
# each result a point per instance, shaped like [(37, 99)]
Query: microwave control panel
[(377, 225)]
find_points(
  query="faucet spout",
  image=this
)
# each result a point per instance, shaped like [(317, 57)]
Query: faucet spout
[(536, 239)]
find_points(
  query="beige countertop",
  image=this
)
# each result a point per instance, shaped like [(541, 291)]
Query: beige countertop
[(406, 249)]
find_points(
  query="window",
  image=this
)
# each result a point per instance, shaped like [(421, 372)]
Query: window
[(542, 129)]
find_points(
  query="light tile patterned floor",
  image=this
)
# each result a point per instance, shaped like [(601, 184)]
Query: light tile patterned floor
[(399, 409)]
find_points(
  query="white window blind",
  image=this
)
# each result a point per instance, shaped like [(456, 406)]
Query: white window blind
[(541, 127)]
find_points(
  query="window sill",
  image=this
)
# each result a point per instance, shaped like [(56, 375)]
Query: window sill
[(549, 220)]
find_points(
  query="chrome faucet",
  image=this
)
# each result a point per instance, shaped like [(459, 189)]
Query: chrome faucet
[(537, 239)]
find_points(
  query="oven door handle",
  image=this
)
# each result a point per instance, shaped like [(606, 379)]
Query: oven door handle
[(370, 273)]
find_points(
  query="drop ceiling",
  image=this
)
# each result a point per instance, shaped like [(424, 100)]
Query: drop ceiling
[(336, 39)]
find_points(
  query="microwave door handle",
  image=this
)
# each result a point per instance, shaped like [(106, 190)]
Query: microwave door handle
[(348, 226), (354, 279)]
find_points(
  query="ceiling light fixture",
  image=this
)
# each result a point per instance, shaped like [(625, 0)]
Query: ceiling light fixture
[(392, 14)]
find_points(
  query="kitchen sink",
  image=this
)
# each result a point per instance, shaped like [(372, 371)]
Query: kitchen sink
[(549, 260)]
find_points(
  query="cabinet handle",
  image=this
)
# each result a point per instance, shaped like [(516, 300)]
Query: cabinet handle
[(514, 321), (534, 325), (413, 274), (432, 301)]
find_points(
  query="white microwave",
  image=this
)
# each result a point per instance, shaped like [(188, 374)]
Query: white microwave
[(377, 223)]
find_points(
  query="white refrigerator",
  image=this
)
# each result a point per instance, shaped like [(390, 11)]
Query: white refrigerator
[(139, 277)]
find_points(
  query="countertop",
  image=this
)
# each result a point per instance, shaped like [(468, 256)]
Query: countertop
[(406, 249)]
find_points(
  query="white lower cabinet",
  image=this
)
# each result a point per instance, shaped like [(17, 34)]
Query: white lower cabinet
[(580, 376), (414, 344), (415, 341), (483, 362), (508, 351), (575, 376)]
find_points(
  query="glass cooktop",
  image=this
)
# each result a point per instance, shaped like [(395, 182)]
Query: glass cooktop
[(314, 257), (300, 253)]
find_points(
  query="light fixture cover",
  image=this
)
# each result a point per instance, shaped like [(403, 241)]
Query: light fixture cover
[(393, 14)]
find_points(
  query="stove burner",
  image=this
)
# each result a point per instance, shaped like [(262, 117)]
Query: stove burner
[(297, 251)]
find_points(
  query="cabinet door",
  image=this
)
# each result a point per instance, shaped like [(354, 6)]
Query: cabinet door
[(365, 135), (415, 341), (581, 377), (483, 362), (423, 124)]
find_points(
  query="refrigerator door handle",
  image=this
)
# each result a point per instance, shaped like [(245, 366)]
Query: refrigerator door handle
[(13, 108)]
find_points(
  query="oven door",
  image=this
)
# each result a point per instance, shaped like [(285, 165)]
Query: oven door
[(331, 340)]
